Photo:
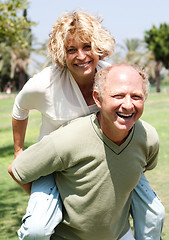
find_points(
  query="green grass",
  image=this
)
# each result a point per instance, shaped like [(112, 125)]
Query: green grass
[(13, 200), (157, 113)]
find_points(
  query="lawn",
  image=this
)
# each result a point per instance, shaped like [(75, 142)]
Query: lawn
[(13, 200)]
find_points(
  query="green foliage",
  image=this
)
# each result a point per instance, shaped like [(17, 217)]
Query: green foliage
[(157, 40), (13, 200), (12, 22), (15, 43)]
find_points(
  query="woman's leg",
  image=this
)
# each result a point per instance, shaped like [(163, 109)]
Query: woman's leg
[(147, 211), (128, 236), (44, 211)]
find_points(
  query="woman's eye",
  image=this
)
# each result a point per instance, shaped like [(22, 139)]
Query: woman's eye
[(71, 51), (87, 47)]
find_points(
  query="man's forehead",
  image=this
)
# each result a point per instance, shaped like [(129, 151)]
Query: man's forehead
[(123, 70), (123, 73)]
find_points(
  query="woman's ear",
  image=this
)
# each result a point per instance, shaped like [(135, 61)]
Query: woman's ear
[(97, 99)]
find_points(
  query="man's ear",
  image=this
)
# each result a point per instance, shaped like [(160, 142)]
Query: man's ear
[(97, 99)]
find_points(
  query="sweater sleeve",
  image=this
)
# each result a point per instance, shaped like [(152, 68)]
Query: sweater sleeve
[(153, 148), (38, 160)]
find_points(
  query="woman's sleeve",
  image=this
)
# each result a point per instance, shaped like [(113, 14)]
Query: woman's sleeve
[(24, 101), (32, 95)]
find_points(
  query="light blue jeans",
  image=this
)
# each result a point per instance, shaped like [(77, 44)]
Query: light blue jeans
[(44, 211), (147, 211)]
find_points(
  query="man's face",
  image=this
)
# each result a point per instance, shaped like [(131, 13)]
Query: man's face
[(122, 102)]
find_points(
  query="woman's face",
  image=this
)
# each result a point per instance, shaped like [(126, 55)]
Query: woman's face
[(80, 60)]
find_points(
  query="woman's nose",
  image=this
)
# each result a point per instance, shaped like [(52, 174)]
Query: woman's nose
[(81, 54)]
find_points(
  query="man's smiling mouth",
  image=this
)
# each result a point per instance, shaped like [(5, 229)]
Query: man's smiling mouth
[(124, 115)]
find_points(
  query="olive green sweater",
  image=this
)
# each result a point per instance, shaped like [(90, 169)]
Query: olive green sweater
[(94, 176)]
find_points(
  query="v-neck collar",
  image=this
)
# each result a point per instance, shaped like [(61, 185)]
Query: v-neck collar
[(111, 145)]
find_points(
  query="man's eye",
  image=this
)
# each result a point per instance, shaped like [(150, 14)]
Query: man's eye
[(136, 97), (118, 96)]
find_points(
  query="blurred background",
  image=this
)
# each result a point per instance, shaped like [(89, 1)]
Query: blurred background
[(140, 28)]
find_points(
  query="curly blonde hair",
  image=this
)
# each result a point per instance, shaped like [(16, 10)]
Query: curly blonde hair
[(81, 26), (101, 77)]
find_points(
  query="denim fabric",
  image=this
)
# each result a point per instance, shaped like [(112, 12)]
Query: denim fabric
[(44, 211), (128, 236), (147, 211)]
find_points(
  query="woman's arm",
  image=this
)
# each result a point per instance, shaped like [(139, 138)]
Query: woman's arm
[(19, 131)]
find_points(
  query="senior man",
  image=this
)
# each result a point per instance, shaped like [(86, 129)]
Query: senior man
[(98, 159)]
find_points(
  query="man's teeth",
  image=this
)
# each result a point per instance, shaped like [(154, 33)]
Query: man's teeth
[(124, 115)]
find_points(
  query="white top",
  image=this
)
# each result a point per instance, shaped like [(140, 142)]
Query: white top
[(56, 95)]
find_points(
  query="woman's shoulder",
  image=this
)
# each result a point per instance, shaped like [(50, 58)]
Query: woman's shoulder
[(43, 79), (102, 64)]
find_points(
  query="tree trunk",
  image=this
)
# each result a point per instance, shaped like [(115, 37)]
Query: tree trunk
[(22, 78), (157, 76)]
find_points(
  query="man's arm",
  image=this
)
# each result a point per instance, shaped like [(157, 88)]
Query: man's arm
[(26, 187), (40, 159)]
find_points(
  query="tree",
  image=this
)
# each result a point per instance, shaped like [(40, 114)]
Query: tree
[(134, 50), (157, 40), (12, 22), (20, 57), (15, 42)]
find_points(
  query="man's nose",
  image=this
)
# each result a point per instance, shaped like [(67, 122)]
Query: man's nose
[(128, 103)]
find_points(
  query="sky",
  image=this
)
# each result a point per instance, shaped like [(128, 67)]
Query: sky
[(125, 19)]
